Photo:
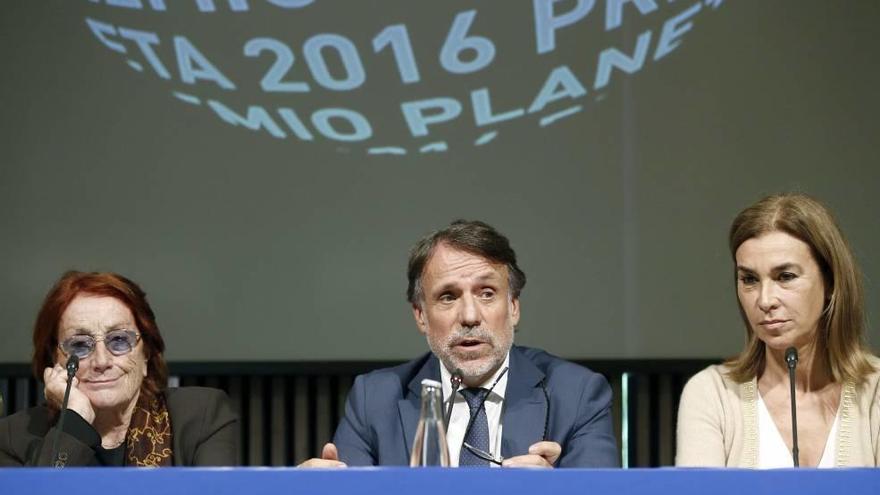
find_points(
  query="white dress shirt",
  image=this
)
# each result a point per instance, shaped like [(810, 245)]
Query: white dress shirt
[(461, 412)]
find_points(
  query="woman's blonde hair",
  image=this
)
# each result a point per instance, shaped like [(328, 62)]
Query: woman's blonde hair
[(842, 324)]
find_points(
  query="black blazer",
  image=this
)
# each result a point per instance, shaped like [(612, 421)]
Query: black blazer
[(204, 429)]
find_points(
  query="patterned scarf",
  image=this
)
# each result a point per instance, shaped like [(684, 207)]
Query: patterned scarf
[(149, 434)]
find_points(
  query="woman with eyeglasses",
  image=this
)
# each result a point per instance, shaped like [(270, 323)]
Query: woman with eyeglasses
[(119, 410), (800, 298)]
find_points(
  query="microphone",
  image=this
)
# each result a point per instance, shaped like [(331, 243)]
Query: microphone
[(791, 358), (456, 382), (72, 367)]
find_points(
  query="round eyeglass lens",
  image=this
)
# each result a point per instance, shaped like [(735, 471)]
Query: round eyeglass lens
[(79, 345), (120, 342)]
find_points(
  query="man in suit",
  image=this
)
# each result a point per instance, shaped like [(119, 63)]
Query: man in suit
[(516, 406)]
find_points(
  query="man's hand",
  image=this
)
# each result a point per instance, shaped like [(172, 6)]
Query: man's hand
[(541, 455), (329, 459), (56, 382)]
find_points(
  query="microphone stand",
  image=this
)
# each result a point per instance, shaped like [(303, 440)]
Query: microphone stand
[(72, 367), (791, 358)]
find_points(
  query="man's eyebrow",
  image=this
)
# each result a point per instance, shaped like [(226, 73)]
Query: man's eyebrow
[(483, 277), (444, 288), (741, 268)]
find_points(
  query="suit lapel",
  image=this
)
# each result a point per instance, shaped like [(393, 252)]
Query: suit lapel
[(524, 406), (408, 407)]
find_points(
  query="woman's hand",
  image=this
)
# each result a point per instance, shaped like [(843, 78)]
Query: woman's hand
[(55, 379)]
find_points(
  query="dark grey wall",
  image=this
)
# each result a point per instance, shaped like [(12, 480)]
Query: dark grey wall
[(259, 247)]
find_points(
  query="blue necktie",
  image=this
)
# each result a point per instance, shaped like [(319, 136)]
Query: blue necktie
[(478, 436)]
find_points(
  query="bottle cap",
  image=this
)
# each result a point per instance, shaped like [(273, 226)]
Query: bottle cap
[(431, 383)]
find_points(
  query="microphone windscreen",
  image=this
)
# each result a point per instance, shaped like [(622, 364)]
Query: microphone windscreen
[(72, 364), (791, 356), (457, 377)]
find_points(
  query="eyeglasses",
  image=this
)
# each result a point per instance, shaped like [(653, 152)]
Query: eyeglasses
[(486, 456), (118, 342), (482, 454)]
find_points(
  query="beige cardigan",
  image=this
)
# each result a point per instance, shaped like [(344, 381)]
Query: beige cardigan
[(718, 422)]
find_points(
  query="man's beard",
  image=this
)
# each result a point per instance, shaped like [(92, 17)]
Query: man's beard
[(463, 362)]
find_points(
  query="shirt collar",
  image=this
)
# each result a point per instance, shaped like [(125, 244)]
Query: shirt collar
[(497, 392)]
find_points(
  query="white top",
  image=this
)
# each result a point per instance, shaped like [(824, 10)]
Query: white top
[(772, 450), (461, 412)]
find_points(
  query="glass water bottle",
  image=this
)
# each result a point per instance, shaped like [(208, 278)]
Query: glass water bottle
[(429, 447)]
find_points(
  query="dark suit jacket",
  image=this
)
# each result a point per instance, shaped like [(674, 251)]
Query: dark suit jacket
[(204, 433), (382, 411)]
